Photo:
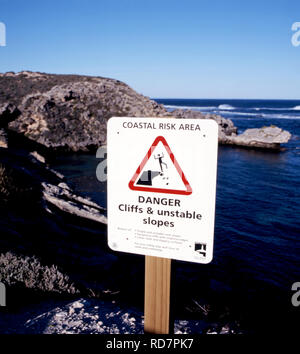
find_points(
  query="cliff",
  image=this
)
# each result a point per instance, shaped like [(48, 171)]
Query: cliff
[(69, 112)]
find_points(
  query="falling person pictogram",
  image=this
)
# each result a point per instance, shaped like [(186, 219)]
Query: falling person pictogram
[(159, 157), (160, 171)]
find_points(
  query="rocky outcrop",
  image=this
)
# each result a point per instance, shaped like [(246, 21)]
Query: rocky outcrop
[(42, 216), (8, 113), (265, 137), (70, 112), (66, 200), (25, 175), (74, 116), (3, 139), (94, 316)]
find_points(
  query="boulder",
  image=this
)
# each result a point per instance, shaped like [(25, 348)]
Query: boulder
[(265, 137)]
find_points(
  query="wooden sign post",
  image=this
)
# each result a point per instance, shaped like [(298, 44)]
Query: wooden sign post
[(157, 295)]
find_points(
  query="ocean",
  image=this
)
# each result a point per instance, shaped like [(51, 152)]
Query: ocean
[(257, 230)]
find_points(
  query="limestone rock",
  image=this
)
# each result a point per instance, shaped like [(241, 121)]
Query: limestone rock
[(3, 139), (8, 113), (266, 137), (42, 215), (70, 112), (26, 177), (64, 199)]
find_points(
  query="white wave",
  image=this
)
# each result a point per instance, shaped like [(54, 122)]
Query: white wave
[(275, 108), (229, 111), (269, 109), (297, 108), (240, 113), (209, 108), (259, 115), (281, 116), (225, 106)]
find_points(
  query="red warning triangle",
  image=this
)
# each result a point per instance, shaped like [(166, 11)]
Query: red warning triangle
[(145, 184)]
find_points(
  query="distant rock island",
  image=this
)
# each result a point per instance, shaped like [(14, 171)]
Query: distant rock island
[(70, 112)]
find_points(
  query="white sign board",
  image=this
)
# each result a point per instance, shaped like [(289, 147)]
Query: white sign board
[(161, 187)]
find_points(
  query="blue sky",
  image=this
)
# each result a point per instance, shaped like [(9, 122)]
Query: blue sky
[(187, 49)]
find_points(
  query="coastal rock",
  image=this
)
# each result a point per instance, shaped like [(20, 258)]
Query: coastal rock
[(3, 139), (37, 156), (95, 316), (16, 183), (25, 175), (70, 112), (43, 216), (63, 198), (265, 137), (8, 113), (86, 316)]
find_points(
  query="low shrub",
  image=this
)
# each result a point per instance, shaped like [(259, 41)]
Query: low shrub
[(30, 273)]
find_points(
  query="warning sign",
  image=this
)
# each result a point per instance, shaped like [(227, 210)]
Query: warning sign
[(161, 187), (160, 172)]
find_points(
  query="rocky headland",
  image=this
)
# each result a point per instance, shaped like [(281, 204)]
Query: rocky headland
[(70, 112)]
